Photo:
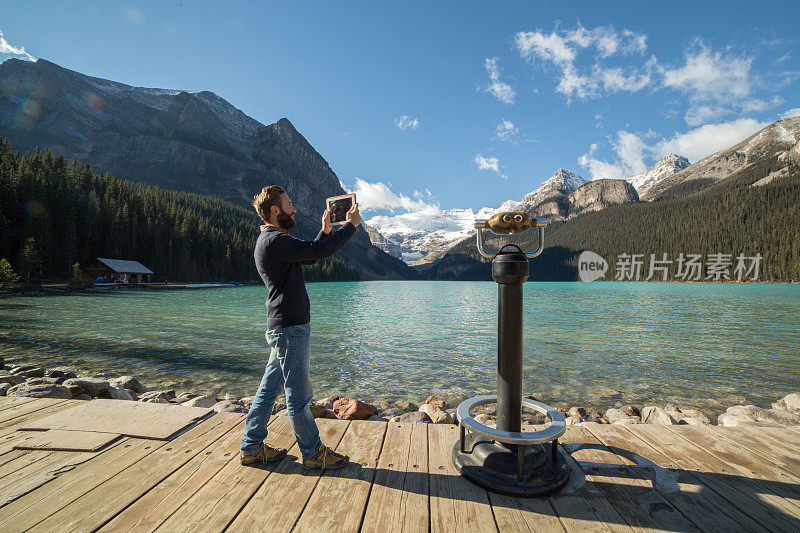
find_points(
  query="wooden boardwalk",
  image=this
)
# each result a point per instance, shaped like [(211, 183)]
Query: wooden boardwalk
[(644, 477)]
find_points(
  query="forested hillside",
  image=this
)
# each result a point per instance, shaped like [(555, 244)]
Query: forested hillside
[(66, 214), (729, 217)]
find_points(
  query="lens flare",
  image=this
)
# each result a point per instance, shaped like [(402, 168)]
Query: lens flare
[(31, 107), (75, 133), (94, 100)]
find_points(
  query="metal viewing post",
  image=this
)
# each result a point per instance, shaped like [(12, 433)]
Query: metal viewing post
[(506, 459)]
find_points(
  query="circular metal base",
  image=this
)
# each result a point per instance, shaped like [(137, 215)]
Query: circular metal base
[(493, 466)]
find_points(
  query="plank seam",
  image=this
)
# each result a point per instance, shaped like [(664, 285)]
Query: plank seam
[(374, 472)]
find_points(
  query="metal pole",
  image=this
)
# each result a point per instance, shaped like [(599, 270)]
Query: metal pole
[(509, 357)]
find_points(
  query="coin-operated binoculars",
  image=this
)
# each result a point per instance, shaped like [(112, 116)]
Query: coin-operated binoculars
[(506, 459)]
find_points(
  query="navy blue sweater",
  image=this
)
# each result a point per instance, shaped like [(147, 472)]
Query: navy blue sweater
[(280, 259)]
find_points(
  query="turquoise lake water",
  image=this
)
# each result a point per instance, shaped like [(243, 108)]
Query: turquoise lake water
[(594, 344)]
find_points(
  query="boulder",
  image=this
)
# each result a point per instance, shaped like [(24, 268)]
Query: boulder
[(534, 418), (572, 420), (4, 388), (376, 418), (247, 401), (164, 394), (317, 411), (352, 409), (11, 379), (127, 382), (562, 407), (436, 413), (328, 402), (201, 401), (29, 371), (392, 412), (652, 414), (228, 406), (790, 402), (615, 415), (118, 393), (94, 387), (415, 417), (184, 397), (55, 373), (44, 381), (82, 396), (45, 390), (594, 416), (435, 400), (631, 410), (154, 400), (774, 417), (579, 412), (731, 420), (627, 421), (693, 417), (406, 405)]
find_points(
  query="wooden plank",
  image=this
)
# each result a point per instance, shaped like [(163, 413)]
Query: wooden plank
[(769, 443), (775, 478), (214, 505), (7, 402), (524, 514), (635, 498), (150, 510), (55, 406), (744, 492), (18, 410), (99, 505), (21, 460), (340, 498), (711, 503), (456, 504), (134, 419), (8, 431), (399, 497), (37, 473), (78, 486), (288, 484), (62, 440)]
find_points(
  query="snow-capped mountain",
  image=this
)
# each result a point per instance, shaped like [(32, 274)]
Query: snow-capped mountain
[(669, 165), (563, 181), (425, 235)]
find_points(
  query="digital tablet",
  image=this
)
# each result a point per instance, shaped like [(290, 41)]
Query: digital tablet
[(338, 206)]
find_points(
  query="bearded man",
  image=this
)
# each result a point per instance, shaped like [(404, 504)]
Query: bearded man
[(279, 259)]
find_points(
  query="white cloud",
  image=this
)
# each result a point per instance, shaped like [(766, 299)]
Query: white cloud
[(501, 90), (791, 113), (506, 130), (134, 15), (378, 195), (406, 121), (489, 163), (11, 50), (633, 155), (561, 48)]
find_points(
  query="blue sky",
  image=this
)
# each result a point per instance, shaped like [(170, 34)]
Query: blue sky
[(432, 105)]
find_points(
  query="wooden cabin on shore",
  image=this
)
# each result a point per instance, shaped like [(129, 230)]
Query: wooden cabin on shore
[(121, 270)]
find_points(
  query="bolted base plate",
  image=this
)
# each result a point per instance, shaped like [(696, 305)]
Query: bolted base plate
[(493, 466)]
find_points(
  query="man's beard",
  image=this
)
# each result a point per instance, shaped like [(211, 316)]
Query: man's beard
[(285, 220)]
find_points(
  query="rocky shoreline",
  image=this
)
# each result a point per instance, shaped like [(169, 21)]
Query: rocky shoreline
[(39, 382)]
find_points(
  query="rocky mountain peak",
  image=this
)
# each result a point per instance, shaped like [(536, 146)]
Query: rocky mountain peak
[(665, 167), (562, 181)]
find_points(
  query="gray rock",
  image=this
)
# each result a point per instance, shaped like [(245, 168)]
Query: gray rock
[(55, 373), (406, 405), (4, 388), (11, 379), (118, 393), (436, 413), (94, 387), (392, 412), (29, 371), (227, 406), (615, 415), (415, 417), (278, 406), (776, 417), (631, 410), (201, 401), (127, 382), (44, 381), (573, 420), (82, 396), (790, 402), (486, 420), (184, 397), (579, 412), (627, 421), (376, 418), (40, 391), (328, 402), (534, 418), (164, 394), (154, 400), (652, 414)]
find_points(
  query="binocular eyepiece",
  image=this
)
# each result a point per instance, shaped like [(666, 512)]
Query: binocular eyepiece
[(509, 223)]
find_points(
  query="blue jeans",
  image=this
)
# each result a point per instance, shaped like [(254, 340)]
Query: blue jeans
[(289, 362)]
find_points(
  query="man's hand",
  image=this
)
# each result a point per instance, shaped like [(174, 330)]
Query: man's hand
[(326, 222), (353, 216)]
